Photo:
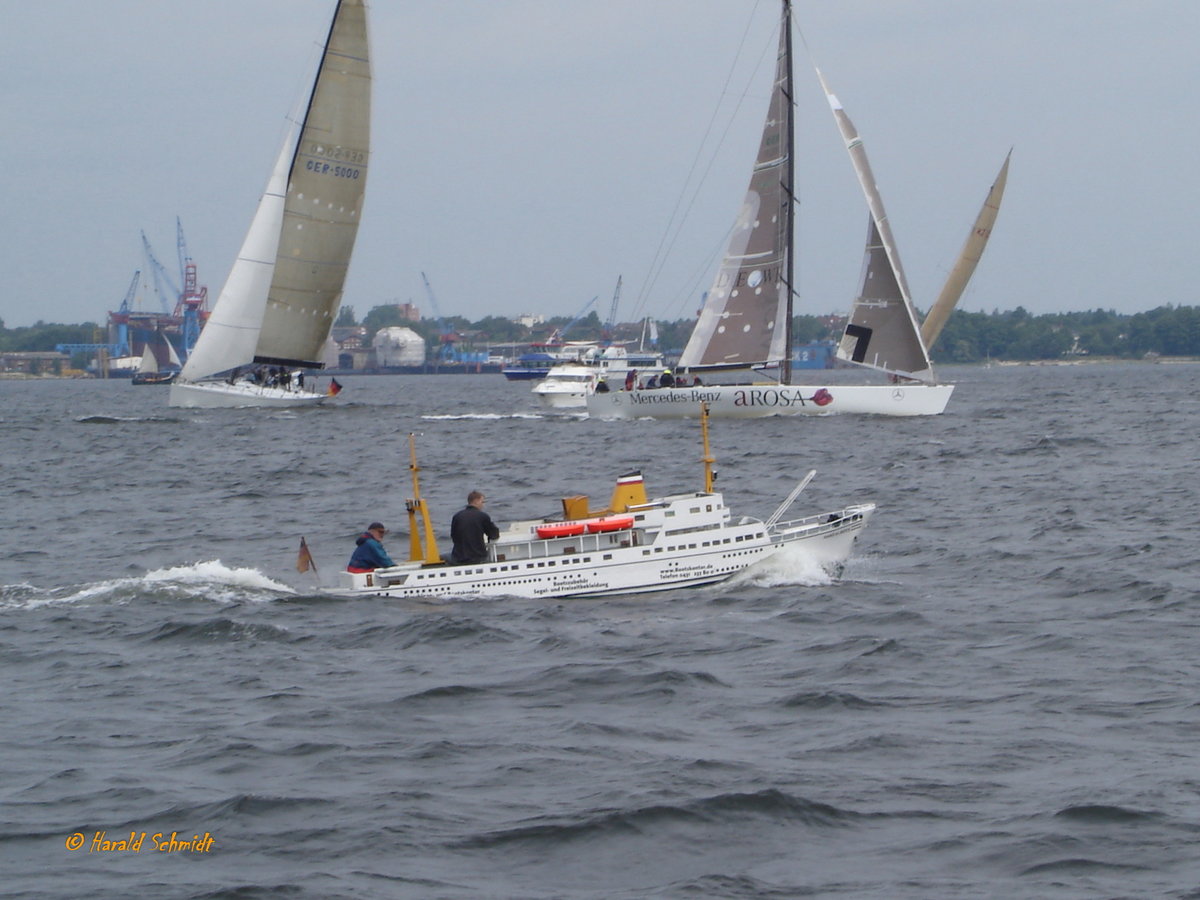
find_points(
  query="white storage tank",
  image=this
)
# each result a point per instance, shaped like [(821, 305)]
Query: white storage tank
[(397, 346)]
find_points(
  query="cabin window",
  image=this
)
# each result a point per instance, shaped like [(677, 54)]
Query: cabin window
[(607, 556)]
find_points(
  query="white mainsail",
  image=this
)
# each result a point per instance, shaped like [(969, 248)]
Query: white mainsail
[(747, 314), (280, 300), (968, 259), (231, 333), (882, 332), (148, 363)]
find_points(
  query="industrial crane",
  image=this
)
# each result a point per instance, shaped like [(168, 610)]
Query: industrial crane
[(560, 334), (610, 326), (193, 300), (164, 286), (447, 352), (120, 347)]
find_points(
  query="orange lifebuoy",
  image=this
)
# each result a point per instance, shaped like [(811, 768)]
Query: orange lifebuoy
[(610, 523), (559, 529)]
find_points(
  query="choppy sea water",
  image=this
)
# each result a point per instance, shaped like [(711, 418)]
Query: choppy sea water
[(997, 699)]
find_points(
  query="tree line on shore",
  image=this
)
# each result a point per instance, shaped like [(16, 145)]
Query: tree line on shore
[(968, 337)]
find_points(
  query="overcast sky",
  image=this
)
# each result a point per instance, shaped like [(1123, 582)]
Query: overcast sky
[(527, 152)]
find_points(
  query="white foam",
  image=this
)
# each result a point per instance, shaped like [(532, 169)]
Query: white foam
[(221, 583), (485, 416), (216, 572), (790, 565)]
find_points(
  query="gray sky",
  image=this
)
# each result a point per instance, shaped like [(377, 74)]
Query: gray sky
[(527, 152)]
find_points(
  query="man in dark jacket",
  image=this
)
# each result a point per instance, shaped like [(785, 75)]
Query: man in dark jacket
[(468, 528), (370, 554)]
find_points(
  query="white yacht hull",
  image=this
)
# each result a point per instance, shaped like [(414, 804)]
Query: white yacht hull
[(562, 399), (648, 557), (752, 401), (223, 395)]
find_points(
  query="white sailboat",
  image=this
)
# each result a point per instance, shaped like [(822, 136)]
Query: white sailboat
[(148, 371), (279, 303), (746, 319)]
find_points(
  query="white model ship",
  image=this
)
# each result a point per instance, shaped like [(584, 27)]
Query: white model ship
[(633, 545)]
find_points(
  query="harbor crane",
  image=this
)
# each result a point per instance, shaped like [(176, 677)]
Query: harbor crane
[(610, 326), (447, 352), (560, 334), (193, 299), (164, 286)]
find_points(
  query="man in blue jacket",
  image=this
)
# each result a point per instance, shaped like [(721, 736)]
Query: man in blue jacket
[(370, 554)]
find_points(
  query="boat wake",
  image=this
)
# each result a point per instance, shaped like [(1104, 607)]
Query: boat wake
[(120, 420), (791, 565), (211, 580), (482, 416)]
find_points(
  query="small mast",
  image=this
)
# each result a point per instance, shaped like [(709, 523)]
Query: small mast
[(417, 510), (709, 475)]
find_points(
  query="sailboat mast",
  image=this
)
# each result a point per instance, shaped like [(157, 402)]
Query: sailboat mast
[(785, 372), (312, 94)]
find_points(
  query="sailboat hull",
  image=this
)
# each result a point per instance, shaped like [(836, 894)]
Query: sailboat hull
[(755, 401), (222, 395)]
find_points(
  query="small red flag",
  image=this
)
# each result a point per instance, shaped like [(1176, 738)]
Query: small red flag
[(334, 387), (305, 561)]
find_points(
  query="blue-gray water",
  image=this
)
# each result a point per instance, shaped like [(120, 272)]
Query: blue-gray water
[(998, 699)]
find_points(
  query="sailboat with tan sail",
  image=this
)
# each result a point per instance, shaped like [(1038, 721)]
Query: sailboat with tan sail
[(275, 312), (744, 325)]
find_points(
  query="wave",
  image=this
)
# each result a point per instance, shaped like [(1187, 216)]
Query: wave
[(118, 420), (484, 416), (771, 804), (210, 580)]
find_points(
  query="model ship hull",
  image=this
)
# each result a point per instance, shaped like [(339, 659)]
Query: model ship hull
[(702, 545)]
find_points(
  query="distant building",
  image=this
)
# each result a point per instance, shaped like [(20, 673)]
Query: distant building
[(409, 312), (35, 363), (349, 337), (528, 320)]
